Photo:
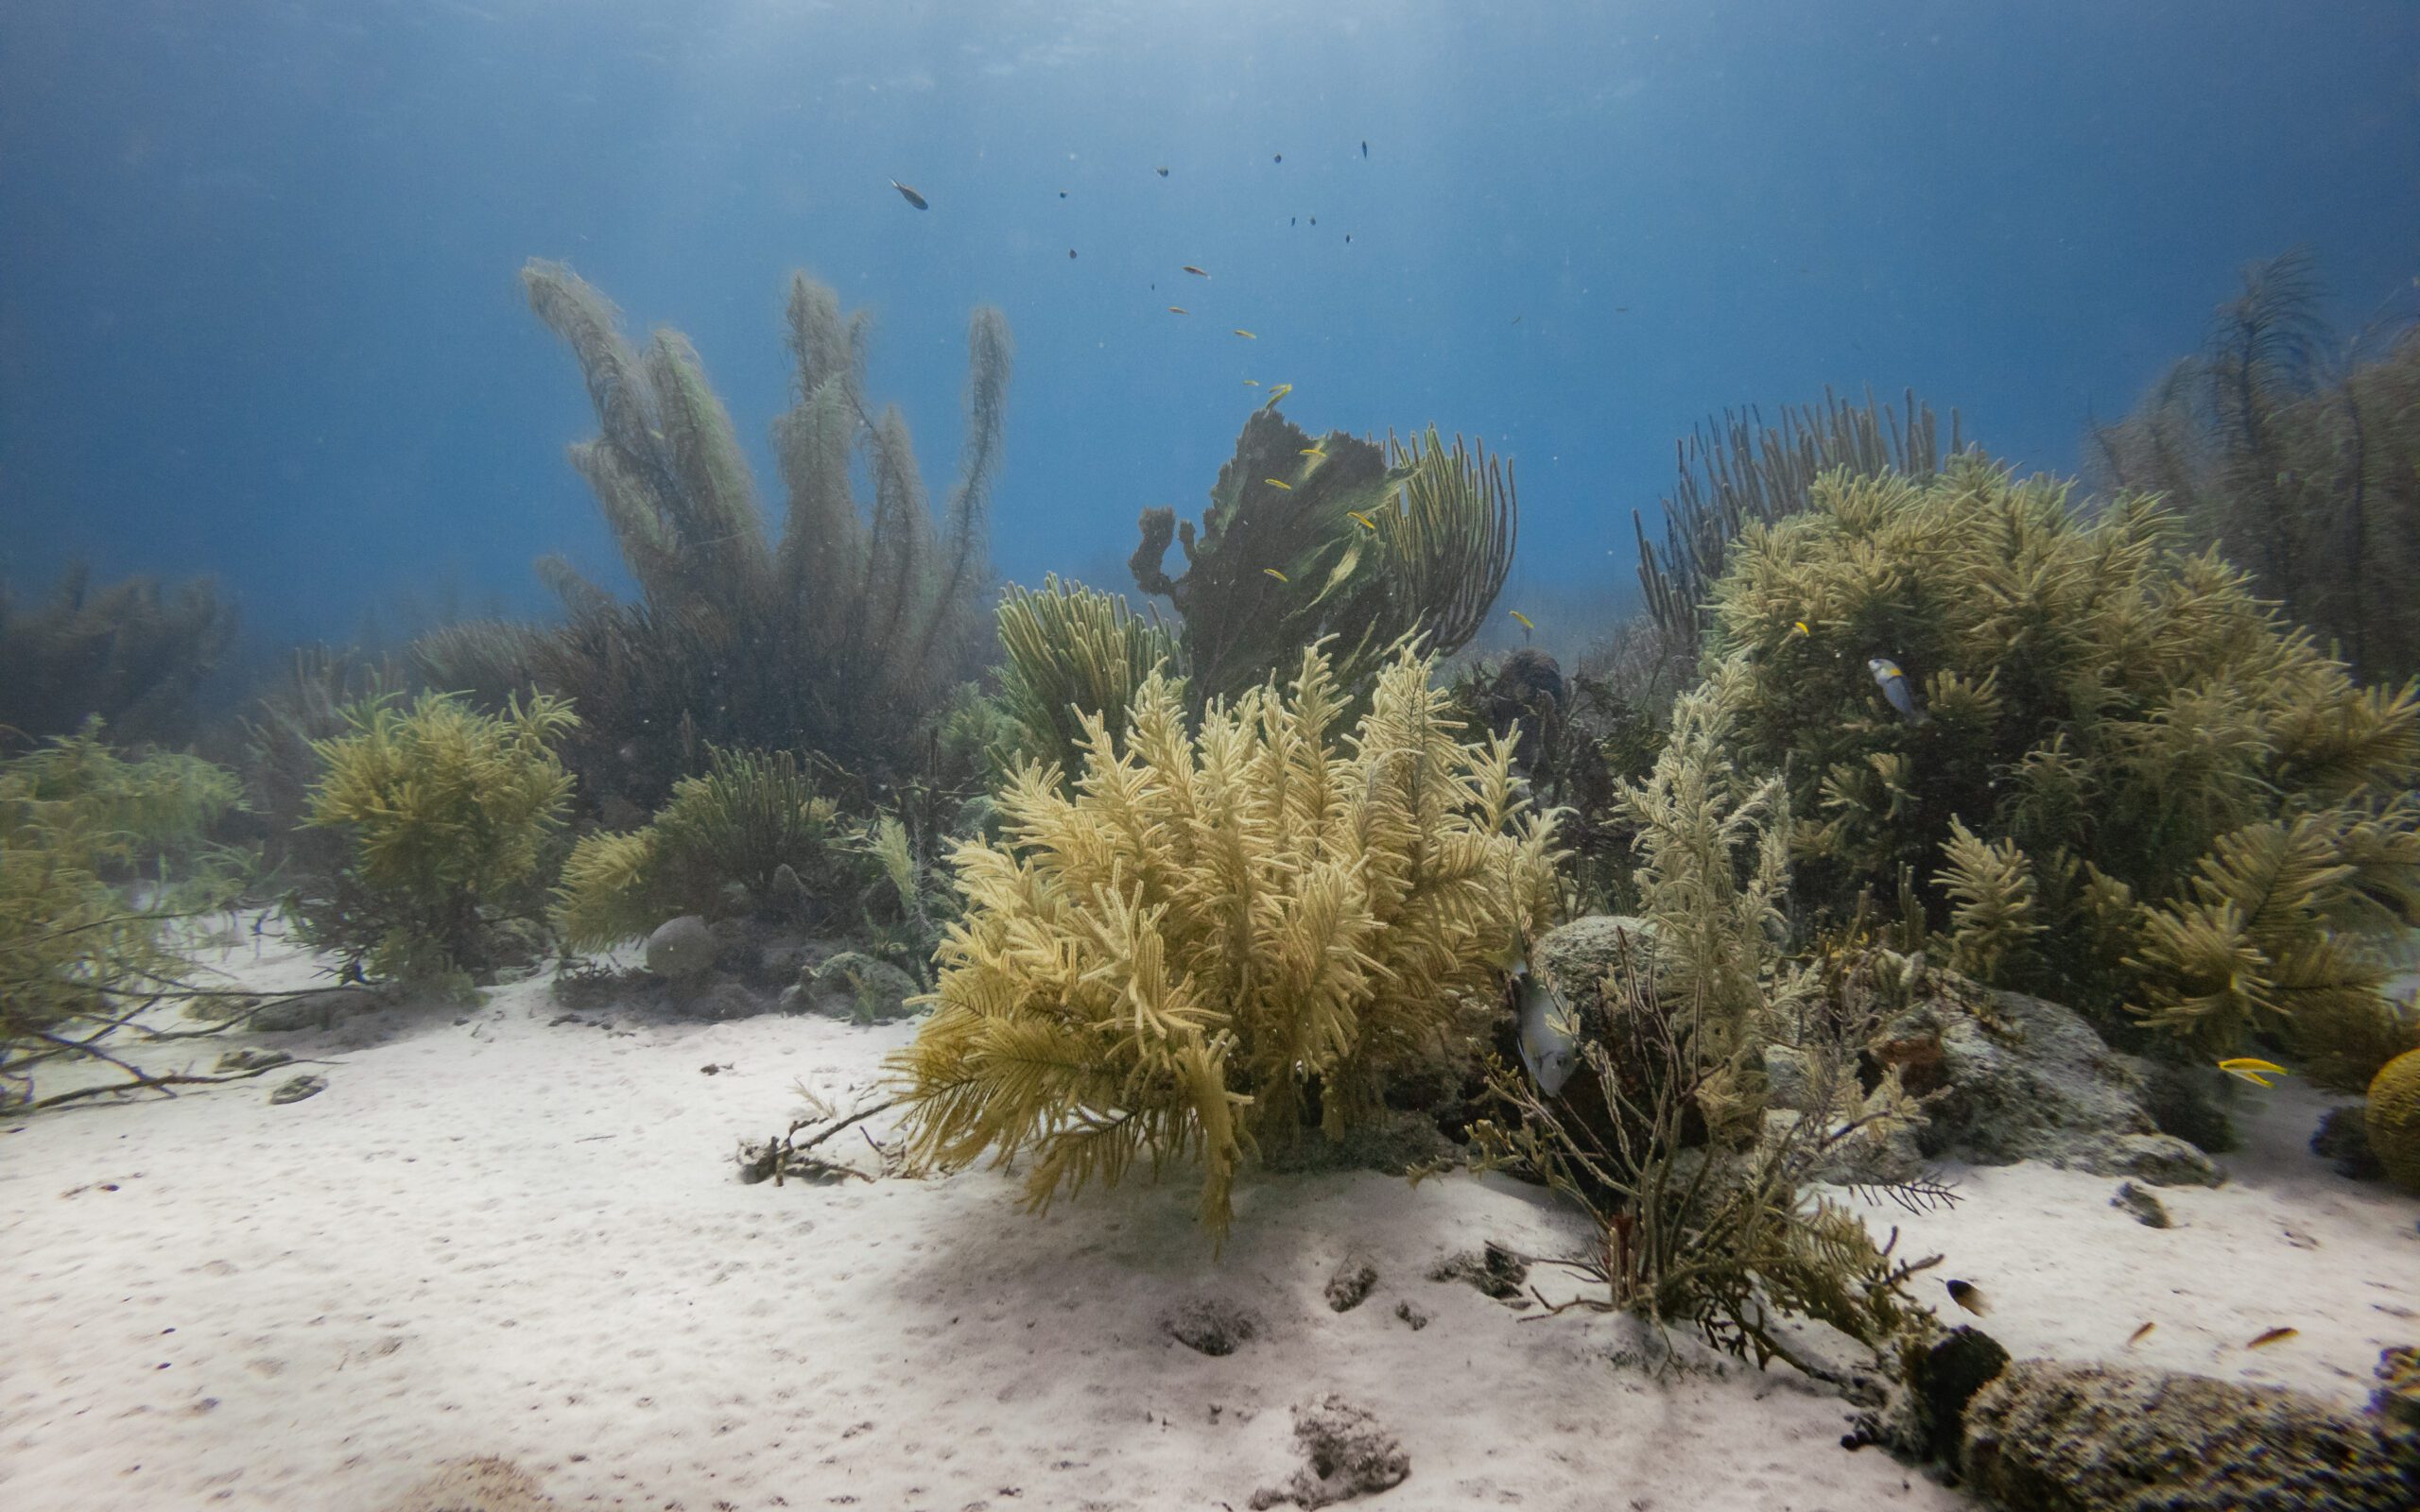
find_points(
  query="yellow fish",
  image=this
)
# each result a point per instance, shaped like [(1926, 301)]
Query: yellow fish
[(1179, 309), (1524, 619), (2274, 1336), (1363, 521), (1277, 393), (2252, 1068), (1246, 334), (1274, 573), (1275, 483), (1799, 628), (1195, 272)]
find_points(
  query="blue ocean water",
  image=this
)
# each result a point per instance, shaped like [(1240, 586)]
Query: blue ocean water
[(259, 315)]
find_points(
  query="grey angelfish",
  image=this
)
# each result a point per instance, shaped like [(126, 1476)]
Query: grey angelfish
[(1895, 687), (1549, 1032)]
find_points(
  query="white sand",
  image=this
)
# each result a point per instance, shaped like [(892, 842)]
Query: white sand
[(2286, 1243), (505, 1238)]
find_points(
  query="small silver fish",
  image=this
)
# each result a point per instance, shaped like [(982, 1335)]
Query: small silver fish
[(1894, 686), (1550, 1034)]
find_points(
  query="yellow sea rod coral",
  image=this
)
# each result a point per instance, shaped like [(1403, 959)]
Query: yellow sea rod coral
[(2394, 1119), (1217, 933)]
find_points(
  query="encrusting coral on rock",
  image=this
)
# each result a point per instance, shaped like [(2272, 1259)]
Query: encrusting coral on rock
[(2049, 1436), (2393, 1118)]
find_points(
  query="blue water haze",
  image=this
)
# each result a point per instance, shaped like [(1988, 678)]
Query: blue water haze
[(259, 314)]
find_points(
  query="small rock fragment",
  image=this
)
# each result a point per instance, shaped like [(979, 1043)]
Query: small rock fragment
[(252, 1057), (1413, 1315), (2397, 1397), (1495, 1270), (2343, 1137), (312, 1010), (1349, 1455), (297, 1089), (1212, 1326), (1349, 1287), (2147, 1210)]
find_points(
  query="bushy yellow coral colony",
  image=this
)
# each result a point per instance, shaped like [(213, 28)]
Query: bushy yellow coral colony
[(1216, 933), (2133, 784)]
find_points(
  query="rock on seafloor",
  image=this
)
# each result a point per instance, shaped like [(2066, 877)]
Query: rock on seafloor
[(2049, 1437), (680, 949), (1349, 1455)]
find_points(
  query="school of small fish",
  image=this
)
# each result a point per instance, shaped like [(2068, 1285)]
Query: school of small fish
[(920, 202)]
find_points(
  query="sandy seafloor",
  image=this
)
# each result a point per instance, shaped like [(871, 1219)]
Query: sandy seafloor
[(523, 1239)]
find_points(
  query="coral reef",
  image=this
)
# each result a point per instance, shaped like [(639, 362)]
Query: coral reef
[(2298, 454), (131, 652), (1221, 938), (844, 636), (444, 810), (1373, 544), (749, 836), (2124, 782), (2392, 1119), (2046, 1436)]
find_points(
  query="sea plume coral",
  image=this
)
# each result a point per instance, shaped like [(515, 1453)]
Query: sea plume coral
[(131, 652), (749, 835), (843, 635), (1221, 938), (1073, 650), (2298, 452)]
